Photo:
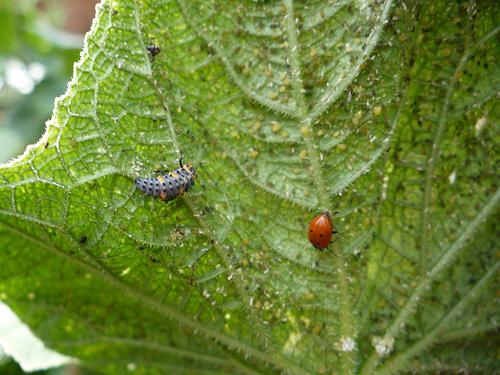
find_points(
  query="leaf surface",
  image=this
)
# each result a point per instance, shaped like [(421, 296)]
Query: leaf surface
[(383, 112)]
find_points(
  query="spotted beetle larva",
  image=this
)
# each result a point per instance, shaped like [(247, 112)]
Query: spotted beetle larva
[(168, 185)]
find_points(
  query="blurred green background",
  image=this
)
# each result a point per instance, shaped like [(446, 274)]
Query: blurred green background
[(39, 42)]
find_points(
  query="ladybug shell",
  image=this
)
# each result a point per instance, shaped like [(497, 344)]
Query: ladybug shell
[(320, 230)]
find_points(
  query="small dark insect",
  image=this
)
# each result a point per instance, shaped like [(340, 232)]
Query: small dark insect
[(47, 144), (83, 240), (153, 50), (321, 230), (168, 185)]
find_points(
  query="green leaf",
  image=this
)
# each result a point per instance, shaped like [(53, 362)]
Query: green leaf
[(383, 112)]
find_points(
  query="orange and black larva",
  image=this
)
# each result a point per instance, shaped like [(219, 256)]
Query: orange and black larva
[(168, 185)]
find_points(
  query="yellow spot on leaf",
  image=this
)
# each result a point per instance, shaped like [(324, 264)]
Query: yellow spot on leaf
[(357, 117), (308, 296), (305, 130), (253, 153), (125, 271), (342, 146), (446, 52), (291, 343), (276, 127), (458, 74)]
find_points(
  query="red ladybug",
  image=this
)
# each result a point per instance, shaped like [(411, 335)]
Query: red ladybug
[(321, 230)]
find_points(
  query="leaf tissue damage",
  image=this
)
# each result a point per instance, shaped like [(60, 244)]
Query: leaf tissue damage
[(385, 112)]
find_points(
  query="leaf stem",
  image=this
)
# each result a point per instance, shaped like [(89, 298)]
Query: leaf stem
[(305, 121), (424, 284), (425, 221), (348, 358), (153, 346), (467, 333), (347, 332), (400, 360)]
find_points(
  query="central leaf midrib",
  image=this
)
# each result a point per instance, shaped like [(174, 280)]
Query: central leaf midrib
[(238, 282), (348, 359), (303, 119)]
